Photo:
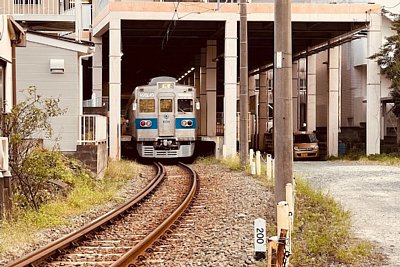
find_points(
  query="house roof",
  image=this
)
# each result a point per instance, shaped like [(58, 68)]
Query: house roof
[(60, 42), (17, 33)]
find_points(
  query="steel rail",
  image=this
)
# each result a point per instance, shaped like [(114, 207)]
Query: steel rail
[(65, 241), (132, 254)]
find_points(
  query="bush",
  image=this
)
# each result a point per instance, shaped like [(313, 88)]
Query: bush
[(28, 122)]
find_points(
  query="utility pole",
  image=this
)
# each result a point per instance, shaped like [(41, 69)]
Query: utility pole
[(283, 110), (244, 95)]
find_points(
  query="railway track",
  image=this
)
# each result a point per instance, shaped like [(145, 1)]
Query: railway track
[(120, 236)]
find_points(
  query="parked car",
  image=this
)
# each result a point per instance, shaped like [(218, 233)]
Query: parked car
[(305, 146)]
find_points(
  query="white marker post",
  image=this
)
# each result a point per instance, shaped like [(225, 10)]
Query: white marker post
[(260, 238), (269, 166), (258, 163)]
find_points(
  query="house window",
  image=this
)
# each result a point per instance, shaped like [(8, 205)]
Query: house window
[(27, 2)]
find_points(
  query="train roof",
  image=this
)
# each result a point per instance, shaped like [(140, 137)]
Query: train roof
[(156, 80)]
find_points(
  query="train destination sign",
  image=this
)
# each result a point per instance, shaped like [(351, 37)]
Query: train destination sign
[(166, 85)]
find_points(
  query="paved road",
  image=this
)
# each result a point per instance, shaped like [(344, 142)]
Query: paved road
[(370, 192)]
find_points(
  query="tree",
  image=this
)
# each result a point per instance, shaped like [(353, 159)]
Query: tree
[(388, 59), (26, 124)]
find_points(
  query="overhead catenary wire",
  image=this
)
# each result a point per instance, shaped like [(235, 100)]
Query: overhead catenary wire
[(171, 26), (173, 22)]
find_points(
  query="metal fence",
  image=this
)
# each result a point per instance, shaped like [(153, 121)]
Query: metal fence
[(93, 129), (37, 7)]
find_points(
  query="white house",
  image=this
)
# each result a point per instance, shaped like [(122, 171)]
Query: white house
[(11, 35), (54, 67)]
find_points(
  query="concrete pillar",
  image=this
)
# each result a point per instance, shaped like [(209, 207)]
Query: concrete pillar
[(97, 65), (333, 102), (197, 86), (373, 86), (203, 93), (252, 85), (263, 110), (312, 93), (295, 93), (211, 87), (383, 123), (230, 86), (115, 89), (253, 111)]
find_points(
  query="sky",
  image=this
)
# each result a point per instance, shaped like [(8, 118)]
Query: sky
[(391, 5)]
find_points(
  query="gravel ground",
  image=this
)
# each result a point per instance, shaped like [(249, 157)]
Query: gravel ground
[(220, 229), (370, 192)]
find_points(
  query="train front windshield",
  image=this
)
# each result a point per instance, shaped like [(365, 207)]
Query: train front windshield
[(147, 105), (165, 105), (185, 105)]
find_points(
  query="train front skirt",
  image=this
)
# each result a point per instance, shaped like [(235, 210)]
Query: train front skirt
[(149, 151)]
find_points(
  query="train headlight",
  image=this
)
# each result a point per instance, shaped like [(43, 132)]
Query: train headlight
[(145, 123), (187, 123)]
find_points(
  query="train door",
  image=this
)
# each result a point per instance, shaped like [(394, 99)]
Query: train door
[(166, 115)]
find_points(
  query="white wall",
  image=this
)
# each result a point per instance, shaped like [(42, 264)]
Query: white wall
[(6, 54), (5, 42), (33, 62), (359, 52)]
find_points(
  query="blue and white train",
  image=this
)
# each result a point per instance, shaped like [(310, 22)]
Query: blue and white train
[(162, 119)]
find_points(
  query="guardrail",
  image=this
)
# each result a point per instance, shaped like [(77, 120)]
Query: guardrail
[(37, 7), (93, 129), (94, 102)]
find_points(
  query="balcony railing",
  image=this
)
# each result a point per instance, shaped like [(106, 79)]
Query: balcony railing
[(94, 102), (37, 7), (93, 129)]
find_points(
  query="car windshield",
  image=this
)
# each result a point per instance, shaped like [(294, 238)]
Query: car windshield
[(305, 138)]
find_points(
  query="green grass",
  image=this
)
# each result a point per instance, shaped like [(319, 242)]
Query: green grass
[(233, 163), (322, 229), (85, 194), (384, 159), (322, 232)]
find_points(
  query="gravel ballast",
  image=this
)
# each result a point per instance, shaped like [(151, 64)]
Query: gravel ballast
[(221, 235), (370, 192)]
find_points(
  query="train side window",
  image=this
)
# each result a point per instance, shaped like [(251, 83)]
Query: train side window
[(185, 105), (146, 105), (165, 105)]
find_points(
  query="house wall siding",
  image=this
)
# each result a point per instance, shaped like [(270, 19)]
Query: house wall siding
[(33, 69)]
